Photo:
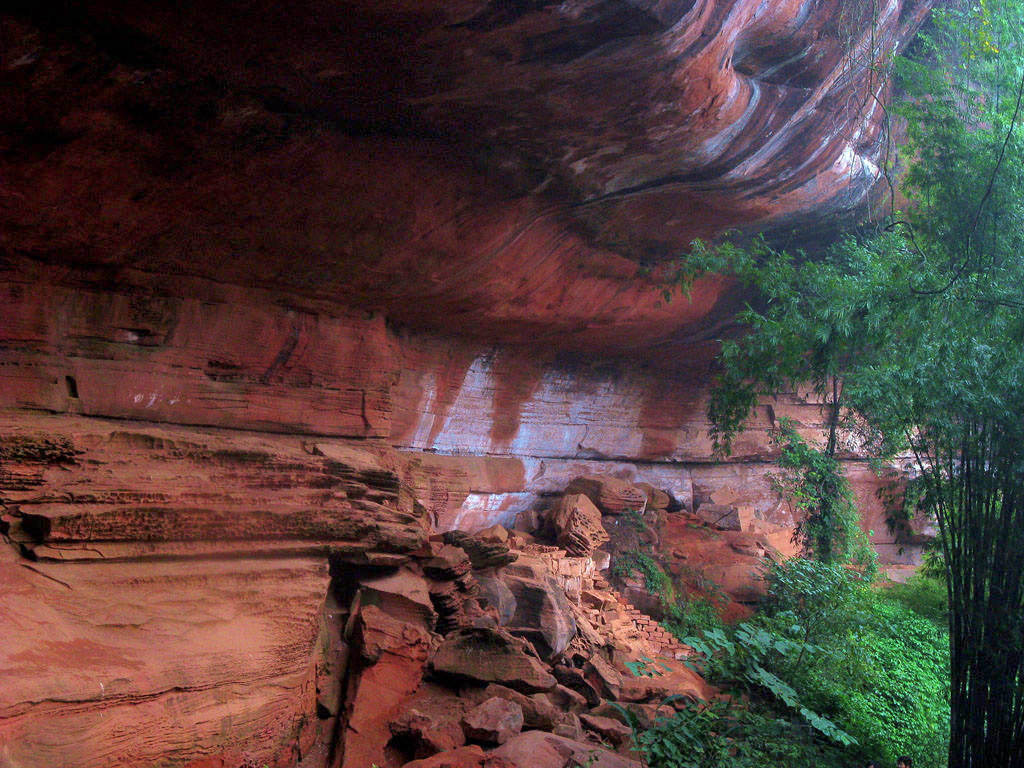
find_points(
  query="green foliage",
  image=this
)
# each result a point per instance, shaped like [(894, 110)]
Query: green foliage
[(851, 670), (925, 595), (691, 739), (914, 337), (690, 616), (647, 667), (820, 596), (871, 664), (635, 519), (821, 498), (655, 579), (741, 657), (887, 682), (723, 734)]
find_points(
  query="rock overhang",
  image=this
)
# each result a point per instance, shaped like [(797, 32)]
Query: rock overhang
[(478, 168)]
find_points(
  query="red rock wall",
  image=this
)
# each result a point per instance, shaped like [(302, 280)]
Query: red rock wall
[(284, 283), (487, 428)]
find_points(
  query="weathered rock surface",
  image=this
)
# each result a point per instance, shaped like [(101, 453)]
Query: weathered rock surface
[(720, 516), (611, 495), (542, 612), (536, 749), (483, 551), (160, 660), (608, 728), (215, 142), (402, 595), (494, 721), (463, 757), (284, 290), (424, 735), (538, 711), (491, 656), (577, 524)]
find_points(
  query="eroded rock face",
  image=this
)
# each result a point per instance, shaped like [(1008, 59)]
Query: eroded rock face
[(216, 141), (577, 523), (159, 660), (494, 721), (285, 290), (486, 655)]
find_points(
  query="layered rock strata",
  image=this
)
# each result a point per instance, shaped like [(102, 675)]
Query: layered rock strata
[(284, 291)]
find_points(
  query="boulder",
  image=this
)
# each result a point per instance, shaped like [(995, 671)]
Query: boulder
[(645, 715), (577, 525), (494, 721), (422, 735), (610, 730), (656, 498), (403, 595), (721, 516), (448, 563), (610, 494), (484, 552), (677, 679), (603, 676), (490, 655), (378, 635), (536, 749), (464, 757), (538, 711), (569, 727), (543, 614), (495, 533), (575, 680), (498, 595), (393, 654), (567, 699)]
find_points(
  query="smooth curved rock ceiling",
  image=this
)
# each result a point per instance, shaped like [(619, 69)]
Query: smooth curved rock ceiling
[(484, 168)]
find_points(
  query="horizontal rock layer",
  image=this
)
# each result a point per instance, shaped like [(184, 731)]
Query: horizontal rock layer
[(478, 433)]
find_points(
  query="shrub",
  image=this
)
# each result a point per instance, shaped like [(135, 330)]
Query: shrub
[(851, 669)]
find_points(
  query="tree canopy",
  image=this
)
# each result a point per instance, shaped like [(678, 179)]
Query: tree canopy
[(914, 335)]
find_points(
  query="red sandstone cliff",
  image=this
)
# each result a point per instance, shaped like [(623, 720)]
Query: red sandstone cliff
[(283, 283)]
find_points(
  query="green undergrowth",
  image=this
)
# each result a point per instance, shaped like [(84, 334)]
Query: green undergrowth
[(656, 580), (683, 613), (832, 671)]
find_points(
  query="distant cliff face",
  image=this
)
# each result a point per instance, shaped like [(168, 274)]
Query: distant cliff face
[(280, 281)]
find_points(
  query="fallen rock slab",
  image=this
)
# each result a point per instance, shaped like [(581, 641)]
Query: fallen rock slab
[(542, 614), (613, 731), (403, 595), (536, 749), (424, 736), (538, 711), (498, 595), (464, 757), (490, 655), (577, 525), (610, 494), (494, 721)]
